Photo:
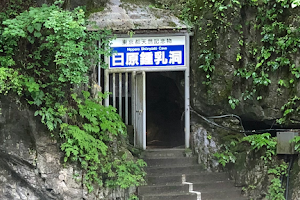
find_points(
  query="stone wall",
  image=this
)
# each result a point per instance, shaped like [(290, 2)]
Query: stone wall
[(213, 99), (31, 163), (248, 171), (204, 146)]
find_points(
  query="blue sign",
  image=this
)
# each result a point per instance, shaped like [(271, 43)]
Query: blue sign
[(158, 52)]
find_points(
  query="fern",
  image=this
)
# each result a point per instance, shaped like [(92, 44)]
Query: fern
[(57, 54)]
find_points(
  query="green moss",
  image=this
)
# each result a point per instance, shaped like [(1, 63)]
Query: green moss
[(172, 24), (157, 12), (139, 2), (93, 10), (239, 165), (92, 7)]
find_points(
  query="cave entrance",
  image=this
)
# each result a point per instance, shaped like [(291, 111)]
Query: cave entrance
[(148, 78), (165, 107)]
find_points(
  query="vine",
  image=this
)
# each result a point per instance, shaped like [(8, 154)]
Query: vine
[(57, 55), (211, 19), (265, 145), (274, 50), (271, 49), (227, 155)]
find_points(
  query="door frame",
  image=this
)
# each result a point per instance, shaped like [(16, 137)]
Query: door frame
[(140, 110)]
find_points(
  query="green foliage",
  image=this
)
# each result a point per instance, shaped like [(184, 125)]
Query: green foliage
[(268, 144), (175, 6), (10, 80), (226, 155), (296, 141), (260, 141), (57, 54), (233, 102), (208, 58), (210, 29), (264, 145), (275, 190), (295, 3), (290, 111), (11, 8), (272, 49), (133, 197), (128, 172), (63, 33), (276, 29), (91, 137)]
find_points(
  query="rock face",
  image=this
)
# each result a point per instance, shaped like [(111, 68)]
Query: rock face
[(248, 171), (213, 99), (204, 146), (127, 15), (31, 163)]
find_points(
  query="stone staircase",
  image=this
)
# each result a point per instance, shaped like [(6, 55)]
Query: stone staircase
[(172, 176)]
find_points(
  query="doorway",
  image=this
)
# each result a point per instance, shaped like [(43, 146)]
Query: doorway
[(153, 105), (164, 110)]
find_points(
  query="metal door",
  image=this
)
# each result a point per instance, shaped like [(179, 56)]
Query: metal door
[(140, 110)]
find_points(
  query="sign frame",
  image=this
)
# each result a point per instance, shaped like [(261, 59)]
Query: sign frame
[(154, 68), (153, 52)]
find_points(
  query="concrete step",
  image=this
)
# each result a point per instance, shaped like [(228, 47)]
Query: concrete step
[(163, 179), (174, 170), (160, 189), (163, 161), (220, 192), (198, 177), (163, 153), (169, 196), (224, 195), (207, 177), (214, 185)]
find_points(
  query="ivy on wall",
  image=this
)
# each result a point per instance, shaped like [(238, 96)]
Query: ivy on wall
[(264, 146), (46, 56), (275, 25), (265, 43)]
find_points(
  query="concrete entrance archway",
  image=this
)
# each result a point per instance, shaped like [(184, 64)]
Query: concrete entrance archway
[(147, 41), (127, 62)]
